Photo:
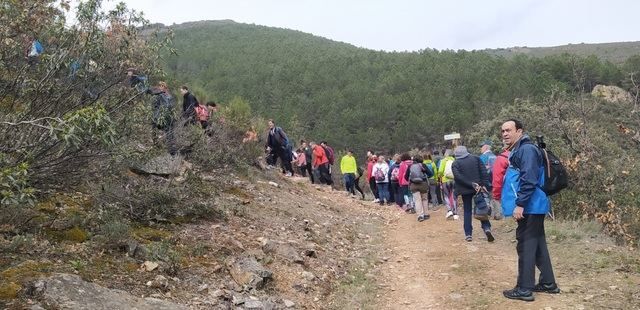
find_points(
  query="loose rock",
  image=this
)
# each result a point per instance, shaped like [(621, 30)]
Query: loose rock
[(65, 291)]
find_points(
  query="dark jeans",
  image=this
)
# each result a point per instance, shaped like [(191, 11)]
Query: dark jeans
[(374, 188), (439, 193), (348, 182), (398, 197), (309, 171), (532, 252), (467, 203), (325, 177), (356, 185), (285, 157), (383, 192)]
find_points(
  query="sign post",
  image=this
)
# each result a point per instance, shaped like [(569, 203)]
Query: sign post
[(454, 138)]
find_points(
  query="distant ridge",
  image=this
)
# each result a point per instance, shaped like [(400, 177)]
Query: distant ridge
[(616, 52)]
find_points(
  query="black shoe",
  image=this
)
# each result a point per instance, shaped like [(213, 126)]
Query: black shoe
[(547, 288), (490, 237), (518, 294)]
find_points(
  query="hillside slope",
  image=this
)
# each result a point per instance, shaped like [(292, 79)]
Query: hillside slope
[(354, 97)]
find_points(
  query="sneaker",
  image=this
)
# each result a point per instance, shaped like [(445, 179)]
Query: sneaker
[(376, 200), (288, 174), (490, 237), (468, 238), (449, 214), (456, 217), (546, 288), (420, 218), (427, 216), (518, 294)]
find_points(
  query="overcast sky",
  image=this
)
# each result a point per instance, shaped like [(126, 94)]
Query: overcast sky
[(412, 25)]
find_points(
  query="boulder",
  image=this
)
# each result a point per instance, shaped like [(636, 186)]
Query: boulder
[(612, 94), (66, 291), (283, 250), (248, 272)]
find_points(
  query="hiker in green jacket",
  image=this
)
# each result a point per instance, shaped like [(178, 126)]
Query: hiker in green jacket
[(433, 181), (349, 169), (446, 179)]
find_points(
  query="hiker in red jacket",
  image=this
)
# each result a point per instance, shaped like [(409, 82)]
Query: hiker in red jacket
[(321, 163), (497, 174)]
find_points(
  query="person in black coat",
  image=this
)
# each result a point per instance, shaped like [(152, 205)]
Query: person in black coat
[(189, 103), (469, 176)]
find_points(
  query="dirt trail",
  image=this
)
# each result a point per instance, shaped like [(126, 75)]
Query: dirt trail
[(431, 266)]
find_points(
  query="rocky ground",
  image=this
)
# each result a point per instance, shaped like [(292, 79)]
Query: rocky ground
[(283, 243)]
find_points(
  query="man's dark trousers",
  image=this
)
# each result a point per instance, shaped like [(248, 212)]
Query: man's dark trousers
[(532, 252)]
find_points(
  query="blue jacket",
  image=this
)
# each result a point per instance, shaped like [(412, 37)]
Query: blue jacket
[(524, 180)]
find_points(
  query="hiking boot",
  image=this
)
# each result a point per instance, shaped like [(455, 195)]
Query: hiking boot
[(449, 214), (546, 288), (468, 238), (517, 293), (456, 217), (490, 237)]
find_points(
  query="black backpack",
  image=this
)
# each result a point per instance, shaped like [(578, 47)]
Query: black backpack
[(556, 177)]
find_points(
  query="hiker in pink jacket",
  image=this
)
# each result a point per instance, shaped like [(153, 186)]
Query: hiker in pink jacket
[(404, 195)]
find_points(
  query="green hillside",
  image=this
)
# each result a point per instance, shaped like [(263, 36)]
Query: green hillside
[(321, 89), (616, 52)]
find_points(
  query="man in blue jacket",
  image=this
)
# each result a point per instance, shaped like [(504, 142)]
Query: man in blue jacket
[(523, 197)]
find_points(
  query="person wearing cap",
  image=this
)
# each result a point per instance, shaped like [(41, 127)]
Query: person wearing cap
[(486, 155), (470, 176), (488, 159)]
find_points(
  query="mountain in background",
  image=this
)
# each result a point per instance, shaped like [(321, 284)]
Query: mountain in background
[(617, 52), (317, 88)]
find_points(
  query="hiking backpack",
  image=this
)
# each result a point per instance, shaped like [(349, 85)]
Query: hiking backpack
[(448, 171), (432, 167), (202, 113), (379, 175), (329, 152), (417, 174), (395, 172), (555, 174)]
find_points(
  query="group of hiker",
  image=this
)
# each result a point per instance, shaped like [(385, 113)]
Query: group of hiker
[(193, 112), (512, 181), (310, 159)]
